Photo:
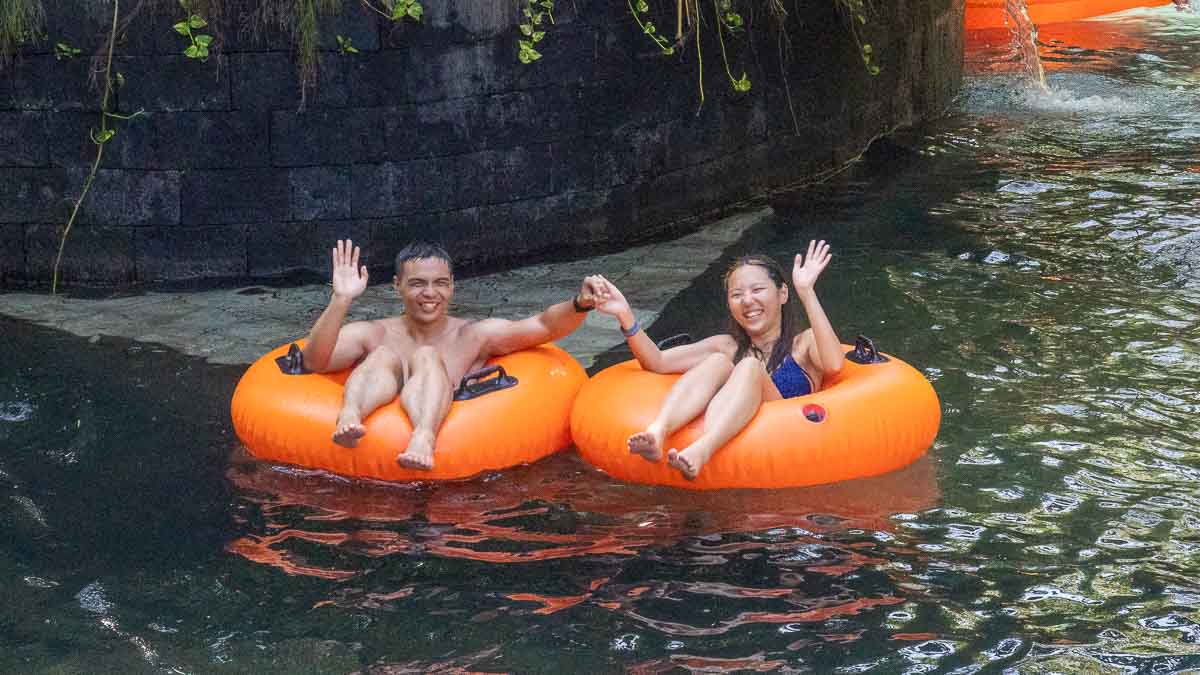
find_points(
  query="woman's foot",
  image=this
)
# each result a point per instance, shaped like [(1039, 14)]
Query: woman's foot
[(419, 453), (348, 429), (688, 462), (647, 443)]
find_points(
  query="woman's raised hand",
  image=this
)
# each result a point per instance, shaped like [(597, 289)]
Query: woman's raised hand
[(808, 267), (349, 281), (611, 302)]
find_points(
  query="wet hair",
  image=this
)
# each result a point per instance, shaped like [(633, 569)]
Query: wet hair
[(419, 250), (789, 324)]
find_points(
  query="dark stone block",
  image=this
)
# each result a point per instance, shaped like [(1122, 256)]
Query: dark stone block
[(271, 81), (448, 228), (458, 71), (34, 195), (320, 192), (276, 248), (40, 82), (349, 136), (359, 25), (494, 176), (573, 165), (12, 254), (171, 253), (120, 197), (383, 78), (174, 83), (212, 197), (93, 255), (135, 145), (631, 156), (403, 188), (516, 231), (212, 140), (520, 118), (437, 128), (23, 139)]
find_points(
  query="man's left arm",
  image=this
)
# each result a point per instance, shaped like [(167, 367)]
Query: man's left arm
[(555, 322)]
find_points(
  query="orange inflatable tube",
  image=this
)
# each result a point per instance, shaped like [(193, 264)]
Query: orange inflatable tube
[(290, 419), (991, 13), (868, 420)]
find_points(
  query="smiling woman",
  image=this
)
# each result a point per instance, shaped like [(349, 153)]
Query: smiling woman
[(763, 357)]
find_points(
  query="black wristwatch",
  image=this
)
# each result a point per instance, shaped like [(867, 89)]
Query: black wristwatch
[(580, 308)]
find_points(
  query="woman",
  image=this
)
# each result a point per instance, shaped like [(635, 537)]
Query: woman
[(763, 357)]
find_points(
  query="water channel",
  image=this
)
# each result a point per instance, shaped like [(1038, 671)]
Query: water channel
[(1035, 253)]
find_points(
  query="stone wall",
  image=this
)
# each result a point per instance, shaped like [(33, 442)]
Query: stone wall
[(433, 131)]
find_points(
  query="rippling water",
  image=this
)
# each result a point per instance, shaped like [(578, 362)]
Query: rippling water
[(1036, 255)]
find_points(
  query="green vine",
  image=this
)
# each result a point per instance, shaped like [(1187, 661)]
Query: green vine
[(856, 12), (535, 13), (200, 42), (100, 138)]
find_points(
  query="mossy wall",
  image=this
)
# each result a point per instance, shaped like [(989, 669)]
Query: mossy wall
[(433, 131)]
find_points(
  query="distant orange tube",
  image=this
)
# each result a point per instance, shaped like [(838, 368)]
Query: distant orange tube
[(991, 13), (874, 419), (290, 419)]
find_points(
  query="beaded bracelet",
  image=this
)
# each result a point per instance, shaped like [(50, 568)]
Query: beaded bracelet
[(633, 330)]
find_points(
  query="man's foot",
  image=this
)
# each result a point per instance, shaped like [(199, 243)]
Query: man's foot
[(647, 443), (348, 430), (684, 463), (419, 453)]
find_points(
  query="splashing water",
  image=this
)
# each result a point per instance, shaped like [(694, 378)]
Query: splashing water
[(1025, 37)]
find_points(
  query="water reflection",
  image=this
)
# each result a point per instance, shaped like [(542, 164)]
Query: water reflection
[(558, 508)]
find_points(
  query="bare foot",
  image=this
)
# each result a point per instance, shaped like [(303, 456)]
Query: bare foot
[(647, 443), (348, 430), (684, 464), (419, 453)]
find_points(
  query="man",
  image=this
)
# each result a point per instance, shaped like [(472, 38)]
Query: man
[(422, 353)]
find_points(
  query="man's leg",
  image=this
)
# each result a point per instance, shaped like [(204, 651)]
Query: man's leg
[(426, 399), (687, 399), (728, 413), (371, 384)]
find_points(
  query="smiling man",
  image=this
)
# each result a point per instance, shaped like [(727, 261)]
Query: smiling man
[(422, 352)]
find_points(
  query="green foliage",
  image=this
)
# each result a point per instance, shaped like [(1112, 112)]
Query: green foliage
[(857, 13), (639, 12), (346, 45), (63, 50), (200, 42), (534, 16), (22, 22)]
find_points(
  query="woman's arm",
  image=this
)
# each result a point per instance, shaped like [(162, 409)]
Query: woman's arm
[(673, 360), (826, 353)]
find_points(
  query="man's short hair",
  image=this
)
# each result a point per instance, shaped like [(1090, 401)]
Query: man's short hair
[(419, 250)]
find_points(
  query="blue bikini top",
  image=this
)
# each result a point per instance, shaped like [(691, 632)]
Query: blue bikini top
[(790, 379)]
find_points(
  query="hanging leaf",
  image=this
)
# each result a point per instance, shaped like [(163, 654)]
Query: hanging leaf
[(526, 29), (415, 11), (182, 28), (204, 40), (192, 52), (196, 22), (649, 28), (537, 37), (642, 6)]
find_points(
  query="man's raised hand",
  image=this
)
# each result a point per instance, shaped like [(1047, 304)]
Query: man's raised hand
[(349, 280)]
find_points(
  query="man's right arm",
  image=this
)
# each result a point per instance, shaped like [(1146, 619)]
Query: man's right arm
[(329, 346)]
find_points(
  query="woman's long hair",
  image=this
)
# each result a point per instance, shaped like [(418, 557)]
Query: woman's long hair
[(789, 325)]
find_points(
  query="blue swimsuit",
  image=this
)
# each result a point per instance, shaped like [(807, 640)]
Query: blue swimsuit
[(790, 379)]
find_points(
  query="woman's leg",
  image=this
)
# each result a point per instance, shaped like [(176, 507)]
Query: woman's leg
[(371, 384), (730, 410), (426, 399), (687, 399)]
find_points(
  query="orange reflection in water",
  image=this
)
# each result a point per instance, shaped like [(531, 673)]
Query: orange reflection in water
[(556, 508)]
